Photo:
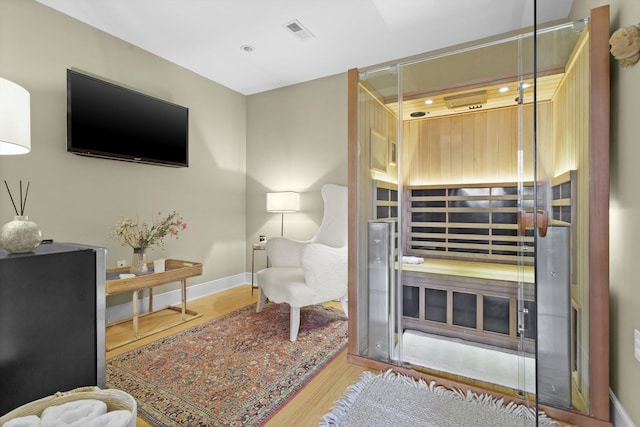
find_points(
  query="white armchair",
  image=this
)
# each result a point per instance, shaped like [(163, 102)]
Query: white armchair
[(310, 272)]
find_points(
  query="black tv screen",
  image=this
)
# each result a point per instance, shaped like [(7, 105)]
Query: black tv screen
[(110, 121)]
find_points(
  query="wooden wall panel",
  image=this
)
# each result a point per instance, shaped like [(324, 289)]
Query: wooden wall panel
[(546, 145), (507, 141), (373, 115), (444, 143), (493, 149), (455, 157), (479, 144), (468, 148)]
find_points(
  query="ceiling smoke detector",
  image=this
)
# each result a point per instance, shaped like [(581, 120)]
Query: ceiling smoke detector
[(298, 30), (466, 101)]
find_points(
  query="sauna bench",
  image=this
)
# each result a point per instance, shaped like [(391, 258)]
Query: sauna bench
[(473, 270), (476, 301)]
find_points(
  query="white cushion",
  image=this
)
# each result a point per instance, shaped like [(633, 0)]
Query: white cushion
[(294, 292)]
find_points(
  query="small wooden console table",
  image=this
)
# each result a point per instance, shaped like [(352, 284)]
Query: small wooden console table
[(175, 270)]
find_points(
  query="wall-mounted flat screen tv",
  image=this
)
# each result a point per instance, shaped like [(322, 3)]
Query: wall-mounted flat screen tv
[(110, 121)]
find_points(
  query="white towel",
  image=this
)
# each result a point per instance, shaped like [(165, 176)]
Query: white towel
[(28, 421), (412, 260), (119, 418), (73, 414)]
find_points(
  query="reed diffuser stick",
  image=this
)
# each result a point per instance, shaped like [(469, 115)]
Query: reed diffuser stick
[(23, 200), (26, 193), (11, 197)]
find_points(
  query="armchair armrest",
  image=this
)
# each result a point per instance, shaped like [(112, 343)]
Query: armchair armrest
[(283, 252), (325, 269)]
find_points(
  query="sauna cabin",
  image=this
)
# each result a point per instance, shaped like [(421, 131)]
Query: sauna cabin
[(479, 245)]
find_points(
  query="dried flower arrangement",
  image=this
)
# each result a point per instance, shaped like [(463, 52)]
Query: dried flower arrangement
[(142, 236)]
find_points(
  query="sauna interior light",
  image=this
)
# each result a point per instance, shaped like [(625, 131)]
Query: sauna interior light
[(503, 89)]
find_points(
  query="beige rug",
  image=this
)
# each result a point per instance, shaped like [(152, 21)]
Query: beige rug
[(393, 400)]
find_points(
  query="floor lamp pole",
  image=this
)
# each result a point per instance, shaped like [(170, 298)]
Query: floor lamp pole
[(282, 224)]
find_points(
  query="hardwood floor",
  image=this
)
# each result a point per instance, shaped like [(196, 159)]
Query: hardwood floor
[(305, 409)]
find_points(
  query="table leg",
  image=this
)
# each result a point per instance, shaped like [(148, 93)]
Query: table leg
[(184, 297), (253, 263), (135, 314)]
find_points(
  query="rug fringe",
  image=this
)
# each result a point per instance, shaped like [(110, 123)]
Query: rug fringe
[(342, 406)]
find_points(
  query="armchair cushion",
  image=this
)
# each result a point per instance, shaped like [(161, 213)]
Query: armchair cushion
[(283, 252), (296, 293), (325, 270)]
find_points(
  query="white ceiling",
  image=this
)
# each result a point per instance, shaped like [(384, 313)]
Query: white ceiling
[(206, 36)]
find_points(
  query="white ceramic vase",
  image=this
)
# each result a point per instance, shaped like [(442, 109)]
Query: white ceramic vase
[(20, 235)]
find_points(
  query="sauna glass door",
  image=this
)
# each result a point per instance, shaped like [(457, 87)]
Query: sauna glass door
[(473, 216), (446, 280), (379, 147), (562, 217), (466, 172)]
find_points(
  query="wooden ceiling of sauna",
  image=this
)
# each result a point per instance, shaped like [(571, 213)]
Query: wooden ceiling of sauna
[(495, 99)]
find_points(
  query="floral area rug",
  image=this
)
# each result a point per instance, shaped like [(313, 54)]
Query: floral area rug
[(236, 370)]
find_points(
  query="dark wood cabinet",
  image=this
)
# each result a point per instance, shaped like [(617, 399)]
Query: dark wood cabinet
[(52, 305)]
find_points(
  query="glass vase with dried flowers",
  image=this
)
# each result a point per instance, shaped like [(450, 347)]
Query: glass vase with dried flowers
[(141, 236)]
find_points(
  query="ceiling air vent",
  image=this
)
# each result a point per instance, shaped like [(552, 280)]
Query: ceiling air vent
[(298, 30), (466, 101)]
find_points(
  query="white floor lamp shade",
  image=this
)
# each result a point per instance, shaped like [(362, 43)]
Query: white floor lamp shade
[(15, 119), (284, 201)]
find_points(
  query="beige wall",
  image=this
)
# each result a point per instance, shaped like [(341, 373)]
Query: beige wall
[(78, 199), (625, 211), (296, 141), (293, 138)]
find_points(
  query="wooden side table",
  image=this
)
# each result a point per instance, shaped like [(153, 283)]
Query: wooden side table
[(261, 246), (175, 270)]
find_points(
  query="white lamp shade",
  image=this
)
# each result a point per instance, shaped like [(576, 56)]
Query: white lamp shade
[(285, 201), (15, 119)]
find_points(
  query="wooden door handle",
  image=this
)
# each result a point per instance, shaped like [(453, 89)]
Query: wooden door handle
[(525, 220)]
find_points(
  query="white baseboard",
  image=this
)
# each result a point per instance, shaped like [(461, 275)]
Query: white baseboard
[(123, 311), (619, 417)]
